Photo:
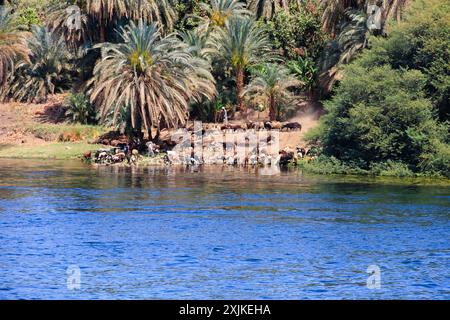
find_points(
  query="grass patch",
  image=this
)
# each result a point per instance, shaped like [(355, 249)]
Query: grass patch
[(66, 132), (59, 151)]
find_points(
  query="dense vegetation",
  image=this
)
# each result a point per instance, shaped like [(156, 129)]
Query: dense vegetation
[(390, 112), (142, 65)]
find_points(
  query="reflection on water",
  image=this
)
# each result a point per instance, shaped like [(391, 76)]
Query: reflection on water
[(217, 233)]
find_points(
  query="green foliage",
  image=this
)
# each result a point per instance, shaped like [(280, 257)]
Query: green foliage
[(382, 118), (381, 114), (297, 31), (304, 70), (79, 109), (330, 165), (28, 17), (12, 48), (420, 42)]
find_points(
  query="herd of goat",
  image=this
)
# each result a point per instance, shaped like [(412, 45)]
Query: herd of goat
[(119, 152)]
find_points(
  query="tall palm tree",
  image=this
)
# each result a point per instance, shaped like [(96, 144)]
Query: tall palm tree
[(12, 45), (70, 22), (158, 11), (243, 44), (200, 44), (271, 86), (347, 22), (334, 11), (106, 11), (218, 12), (154, 76), (268, 8), (71, 18)]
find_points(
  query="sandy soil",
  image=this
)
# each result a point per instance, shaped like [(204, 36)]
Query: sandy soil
[(16, 117), (308, 116)]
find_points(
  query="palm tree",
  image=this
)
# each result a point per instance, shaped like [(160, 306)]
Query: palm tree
[(12, 45), (271, 86), (199, 43), (347, 22), (106, 11), (334, 11), (243, 44), (157, 11), (47, 71), (268, 8), (154, 76), (72, 20), (218, 12)]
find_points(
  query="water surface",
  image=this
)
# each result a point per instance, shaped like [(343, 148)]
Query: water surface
[(217, 233)]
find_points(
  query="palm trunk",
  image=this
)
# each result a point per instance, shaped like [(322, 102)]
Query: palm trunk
[(240, 89), (102, 26), (102, 33), (272, 111)]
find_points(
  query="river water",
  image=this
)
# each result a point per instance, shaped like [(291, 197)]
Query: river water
[(71, 231)]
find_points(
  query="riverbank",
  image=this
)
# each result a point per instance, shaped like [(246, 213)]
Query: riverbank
[(57, 151), (41, 131)]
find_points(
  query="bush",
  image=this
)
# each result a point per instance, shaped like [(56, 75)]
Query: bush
[(79, 109), (421, 41), (381, 115), (330, 165), (391, 169)]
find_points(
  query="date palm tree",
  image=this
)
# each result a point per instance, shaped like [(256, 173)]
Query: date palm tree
[(218, 12), (200, 44), (155, 77), (347, 20), (12, 45), (74, 19), (268, 8), (70, 22), (242, 44), (47, 71), (271, 86), (334, 11), (105, 11)]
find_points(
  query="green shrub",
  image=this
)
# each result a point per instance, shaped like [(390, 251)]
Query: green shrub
[(421, 41), (79, 109), (330, 165), (391, 169), (28, 17), (381, 115)]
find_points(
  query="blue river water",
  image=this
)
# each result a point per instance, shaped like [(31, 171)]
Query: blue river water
[(71, 231)]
